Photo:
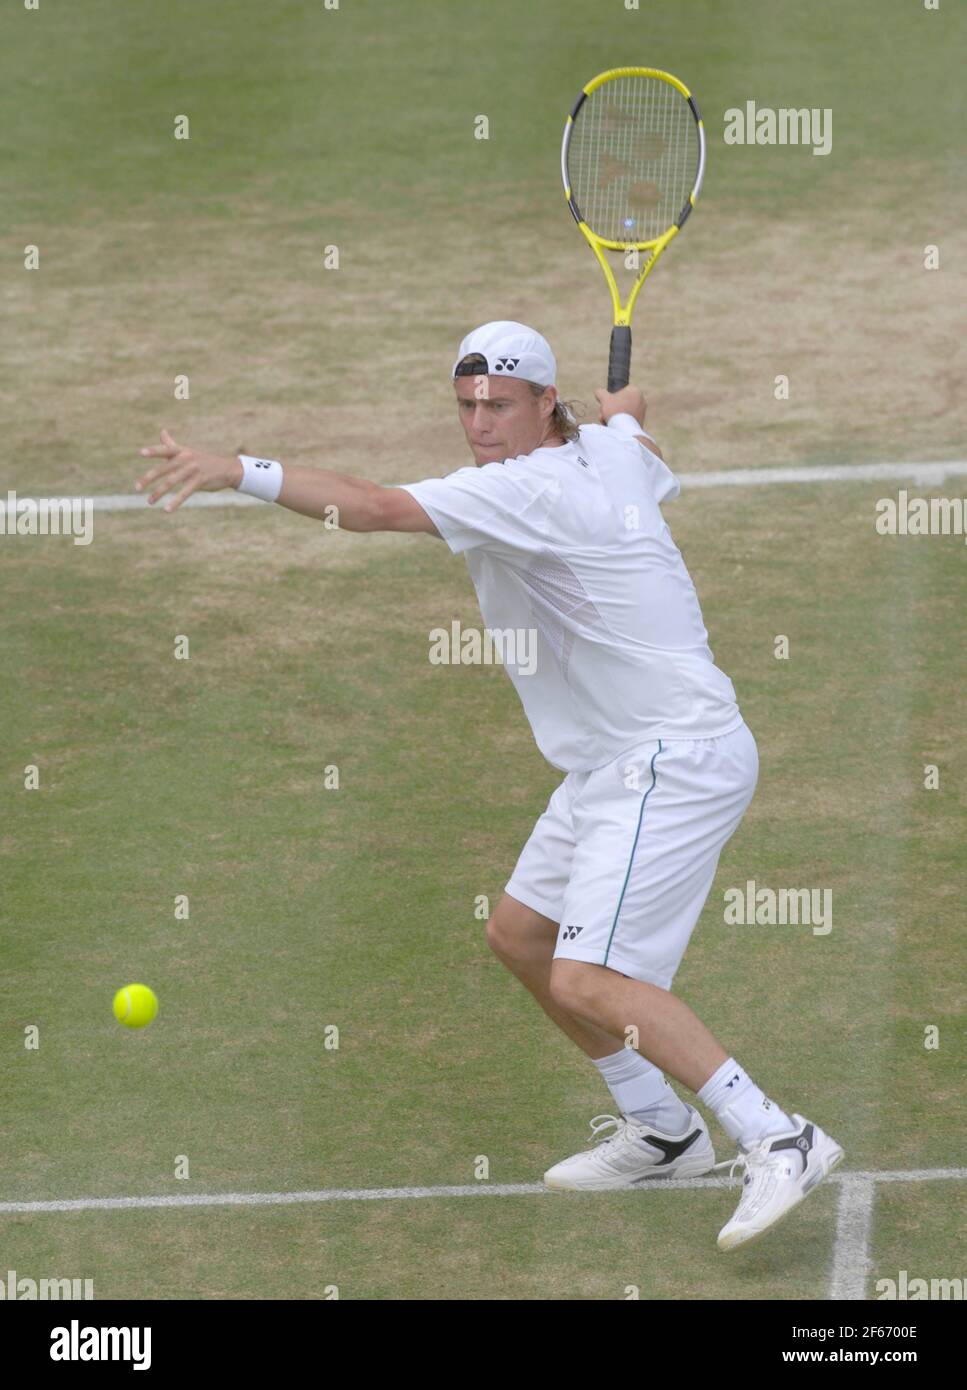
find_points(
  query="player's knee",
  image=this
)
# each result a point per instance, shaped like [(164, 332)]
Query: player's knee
[(500, 937), (511, 933), (520, 936), (574, 985), (561, 986)]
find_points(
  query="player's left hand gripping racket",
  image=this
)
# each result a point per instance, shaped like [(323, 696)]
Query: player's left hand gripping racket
[(632, 160)]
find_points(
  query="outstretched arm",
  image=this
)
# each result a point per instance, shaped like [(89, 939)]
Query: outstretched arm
[(355, 504)]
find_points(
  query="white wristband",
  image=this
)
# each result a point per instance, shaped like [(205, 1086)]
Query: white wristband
[(627, 424), (260, 478)]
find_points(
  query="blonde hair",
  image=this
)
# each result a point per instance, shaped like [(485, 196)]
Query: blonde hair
[(562, 418)]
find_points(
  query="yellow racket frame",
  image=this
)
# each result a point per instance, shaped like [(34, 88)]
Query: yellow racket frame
[(655, 245)]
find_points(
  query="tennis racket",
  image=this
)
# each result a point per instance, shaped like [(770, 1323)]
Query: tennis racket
[(632, 160)]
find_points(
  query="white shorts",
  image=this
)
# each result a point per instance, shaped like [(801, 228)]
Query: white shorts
[(624, 856)]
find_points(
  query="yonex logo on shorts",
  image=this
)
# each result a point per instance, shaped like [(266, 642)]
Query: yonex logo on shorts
[(569, 933)]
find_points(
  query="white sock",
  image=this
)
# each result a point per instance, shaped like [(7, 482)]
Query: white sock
[(743, 1111), (641, 1092)]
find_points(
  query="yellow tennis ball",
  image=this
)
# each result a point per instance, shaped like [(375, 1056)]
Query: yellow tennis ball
[(135, 1005)]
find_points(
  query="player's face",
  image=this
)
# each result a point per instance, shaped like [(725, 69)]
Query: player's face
[(502, 418)]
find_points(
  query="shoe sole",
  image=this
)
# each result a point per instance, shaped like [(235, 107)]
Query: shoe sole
[(681, 1171), (828, 1166)]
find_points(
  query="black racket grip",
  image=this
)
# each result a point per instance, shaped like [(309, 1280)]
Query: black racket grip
[(619, 363)]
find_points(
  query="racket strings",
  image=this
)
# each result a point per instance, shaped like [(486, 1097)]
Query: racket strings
[(633, 158)]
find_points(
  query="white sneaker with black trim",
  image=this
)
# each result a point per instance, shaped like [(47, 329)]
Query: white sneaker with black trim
[(634, 1154), (779, 1171)]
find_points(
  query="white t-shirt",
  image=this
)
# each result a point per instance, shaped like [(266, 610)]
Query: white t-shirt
[(570, 541)]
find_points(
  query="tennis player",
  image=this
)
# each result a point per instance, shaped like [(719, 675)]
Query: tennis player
[(563, 535)]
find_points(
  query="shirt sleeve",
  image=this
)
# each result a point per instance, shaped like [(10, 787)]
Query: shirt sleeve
[(498, 506), (664, 484)]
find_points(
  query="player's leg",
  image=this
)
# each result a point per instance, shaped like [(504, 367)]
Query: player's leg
[(784, 1156), (524, 940), (649, 830), (657, 1134), (523, 932), (669, 1033), (617, 975), (523, 929)]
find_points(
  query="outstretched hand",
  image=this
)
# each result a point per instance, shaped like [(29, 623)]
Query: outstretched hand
[(186, 470)]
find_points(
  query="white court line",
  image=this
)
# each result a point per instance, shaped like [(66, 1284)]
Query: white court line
[(854, 1216), (854, 1224), (133, 501), (926, 474), (375, 1194), (330, 1194)]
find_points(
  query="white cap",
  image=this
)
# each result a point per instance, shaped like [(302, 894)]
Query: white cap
[(511, 349)]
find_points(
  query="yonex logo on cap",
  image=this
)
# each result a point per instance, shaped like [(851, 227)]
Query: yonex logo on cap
[(506, 348)]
